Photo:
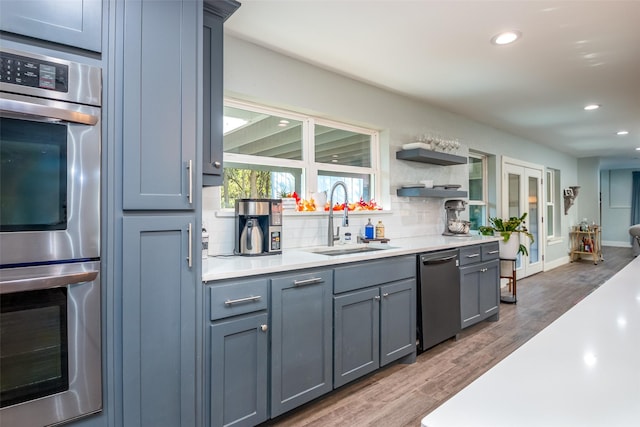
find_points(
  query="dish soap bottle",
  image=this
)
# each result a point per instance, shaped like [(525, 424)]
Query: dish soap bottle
[(379, 230), (368, 230)]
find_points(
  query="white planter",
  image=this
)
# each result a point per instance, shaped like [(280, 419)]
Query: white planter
[(510, 248)]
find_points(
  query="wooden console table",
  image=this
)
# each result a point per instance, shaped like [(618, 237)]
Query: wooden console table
[(586, 242)]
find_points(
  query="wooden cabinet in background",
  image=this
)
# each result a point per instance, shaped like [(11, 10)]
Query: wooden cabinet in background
[(586, 242)]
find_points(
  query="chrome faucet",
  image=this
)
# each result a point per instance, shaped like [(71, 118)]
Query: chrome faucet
[(345, 217)]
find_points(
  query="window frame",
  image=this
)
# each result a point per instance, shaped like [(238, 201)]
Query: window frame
[(309, 167), (552, 198), (485, 185)]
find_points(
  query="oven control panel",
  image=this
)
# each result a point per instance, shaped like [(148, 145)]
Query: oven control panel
[(25, 71)]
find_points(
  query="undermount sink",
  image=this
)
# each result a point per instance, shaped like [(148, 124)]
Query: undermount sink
[(350, 250)]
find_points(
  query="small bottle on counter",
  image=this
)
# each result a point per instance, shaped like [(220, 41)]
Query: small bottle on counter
[(368, 230), (347, 237), (379, 230)]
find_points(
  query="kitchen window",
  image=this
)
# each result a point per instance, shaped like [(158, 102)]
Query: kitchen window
[(478, 193), (269, 153)]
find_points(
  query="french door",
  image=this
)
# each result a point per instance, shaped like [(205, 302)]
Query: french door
[(522, 192)]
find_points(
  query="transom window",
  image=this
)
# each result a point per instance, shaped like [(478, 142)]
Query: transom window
[(269, 153)]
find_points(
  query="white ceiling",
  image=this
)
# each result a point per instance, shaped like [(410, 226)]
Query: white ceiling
[(571, 53)]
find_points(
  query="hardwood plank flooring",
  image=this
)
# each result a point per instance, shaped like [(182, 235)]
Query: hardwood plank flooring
[(401, 395)]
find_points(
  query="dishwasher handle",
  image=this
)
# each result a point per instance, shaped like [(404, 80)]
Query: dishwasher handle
[(432, 261)]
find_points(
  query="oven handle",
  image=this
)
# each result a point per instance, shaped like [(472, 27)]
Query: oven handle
[(46, 282), (44, 110)]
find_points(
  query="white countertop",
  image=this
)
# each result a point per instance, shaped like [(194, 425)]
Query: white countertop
[(582, 370), (232, 266)]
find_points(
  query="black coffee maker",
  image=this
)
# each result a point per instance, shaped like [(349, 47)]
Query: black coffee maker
[(258, 227)]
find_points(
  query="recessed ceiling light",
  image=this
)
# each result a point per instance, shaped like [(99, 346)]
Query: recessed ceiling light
[(506, 37), (638, 149), (622, 132), (591, 107)]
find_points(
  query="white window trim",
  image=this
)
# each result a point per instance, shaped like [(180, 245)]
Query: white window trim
[(485, 186), (307, 164)]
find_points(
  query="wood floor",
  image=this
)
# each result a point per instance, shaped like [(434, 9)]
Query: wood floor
[(401, 395)]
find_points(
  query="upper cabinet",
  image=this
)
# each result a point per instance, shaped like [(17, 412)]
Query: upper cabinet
[(76, 23), (160, 58), (216, 12)]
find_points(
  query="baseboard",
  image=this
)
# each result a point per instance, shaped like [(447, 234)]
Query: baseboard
[(550, 265), (616, 244)]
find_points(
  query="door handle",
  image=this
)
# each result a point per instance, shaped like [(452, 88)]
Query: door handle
[(190, 169), (189, 248), (308, 281)]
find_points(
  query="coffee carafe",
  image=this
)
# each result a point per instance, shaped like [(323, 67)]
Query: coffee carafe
[(251, 238)]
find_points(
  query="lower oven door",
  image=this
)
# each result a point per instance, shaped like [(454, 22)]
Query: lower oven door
[(50, 357)]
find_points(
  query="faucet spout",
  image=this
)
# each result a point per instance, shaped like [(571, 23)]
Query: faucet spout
[(345, 217)]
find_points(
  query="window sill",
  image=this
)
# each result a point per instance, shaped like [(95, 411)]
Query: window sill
[(230, 213)]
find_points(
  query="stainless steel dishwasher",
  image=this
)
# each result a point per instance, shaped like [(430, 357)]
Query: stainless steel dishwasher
[(438, 297)]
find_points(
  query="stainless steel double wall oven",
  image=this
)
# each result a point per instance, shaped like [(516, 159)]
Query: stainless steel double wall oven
[(50, 333)]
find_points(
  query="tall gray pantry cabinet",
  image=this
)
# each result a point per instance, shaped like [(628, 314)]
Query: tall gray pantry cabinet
[(159, 75)]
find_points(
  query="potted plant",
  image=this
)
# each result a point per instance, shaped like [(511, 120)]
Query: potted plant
[(505, 228)]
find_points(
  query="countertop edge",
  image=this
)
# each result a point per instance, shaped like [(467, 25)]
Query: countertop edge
[(217, 268)]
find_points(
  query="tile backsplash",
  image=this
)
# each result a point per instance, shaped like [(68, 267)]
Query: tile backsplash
[(402, 217)]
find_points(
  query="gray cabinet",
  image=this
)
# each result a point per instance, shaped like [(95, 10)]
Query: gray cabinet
[(479, 283), (301, 338), (76, 23), (238, 349), (160, 78), (374, 316), (158, 329)]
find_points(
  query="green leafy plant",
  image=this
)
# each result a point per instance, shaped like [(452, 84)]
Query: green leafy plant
[(506, 227)]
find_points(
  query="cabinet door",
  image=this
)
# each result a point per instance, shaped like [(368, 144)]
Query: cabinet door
[(356, 335), (301, 339), (160, 54), (239, 366), (76, 23), (469, 295), (212, 148), (489, 292), (397, 320), (158, 324)]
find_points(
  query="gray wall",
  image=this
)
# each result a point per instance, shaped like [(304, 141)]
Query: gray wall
[(254, 73)]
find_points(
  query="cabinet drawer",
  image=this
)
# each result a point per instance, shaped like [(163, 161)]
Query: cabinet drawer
[(490, 251), (470, 254), (238, 298), (372, 273)]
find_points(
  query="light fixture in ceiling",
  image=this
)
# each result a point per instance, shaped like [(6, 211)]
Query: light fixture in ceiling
[(506, 37), (638, 149), (622, 132), (591, 107)]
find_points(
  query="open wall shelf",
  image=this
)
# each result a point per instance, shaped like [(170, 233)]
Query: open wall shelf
[(430, 156), (430, 192)]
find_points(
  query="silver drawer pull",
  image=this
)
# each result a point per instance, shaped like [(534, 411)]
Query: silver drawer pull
[(308, 281), (473, 255), (493, 252), (241, 300)]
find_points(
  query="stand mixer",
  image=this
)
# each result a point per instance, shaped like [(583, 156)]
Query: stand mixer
[(455, 226)]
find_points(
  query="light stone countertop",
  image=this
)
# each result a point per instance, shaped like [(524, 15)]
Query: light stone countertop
[(582, 370), (234, 266)]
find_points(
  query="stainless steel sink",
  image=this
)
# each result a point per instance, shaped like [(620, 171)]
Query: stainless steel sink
[(347, 251)]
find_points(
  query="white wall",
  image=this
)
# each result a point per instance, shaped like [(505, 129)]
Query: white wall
[(253, 73), (616, 186)]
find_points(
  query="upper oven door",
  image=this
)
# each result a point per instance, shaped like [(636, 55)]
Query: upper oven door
[(49, 181)]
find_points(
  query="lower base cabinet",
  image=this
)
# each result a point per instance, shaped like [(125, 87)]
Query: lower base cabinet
[(374, 316), (238, 353), (301, 332), (373, 327), (239, 366), (479, 292)]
